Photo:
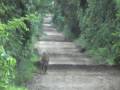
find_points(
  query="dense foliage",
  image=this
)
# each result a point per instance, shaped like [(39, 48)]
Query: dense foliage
[(20, 27), (93, 24), (7, 64)]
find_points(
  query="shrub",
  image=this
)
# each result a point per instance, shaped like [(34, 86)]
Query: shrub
[(7, 70), (15, 88), (93, 24)]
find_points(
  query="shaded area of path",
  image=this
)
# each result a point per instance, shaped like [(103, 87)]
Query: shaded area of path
[(70, 69)]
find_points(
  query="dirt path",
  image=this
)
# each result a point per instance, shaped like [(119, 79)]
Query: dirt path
[(70, 69)]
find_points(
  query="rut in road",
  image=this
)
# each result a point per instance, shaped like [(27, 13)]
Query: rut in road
[(70, 69)]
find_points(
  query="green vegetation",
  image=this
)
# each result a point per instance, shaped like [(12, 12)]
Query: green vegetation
[(7, 64), (15, 88), (93, 25), (20, 27)]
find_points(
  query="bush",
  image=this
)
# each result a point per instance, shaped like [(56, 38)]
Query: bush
[(65, 14), (20, 25), (7, 72), (93, 24), (15, 88)]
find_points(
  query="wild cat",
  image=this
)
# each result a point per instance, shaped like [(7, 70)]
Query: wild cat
[(44, 61)]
